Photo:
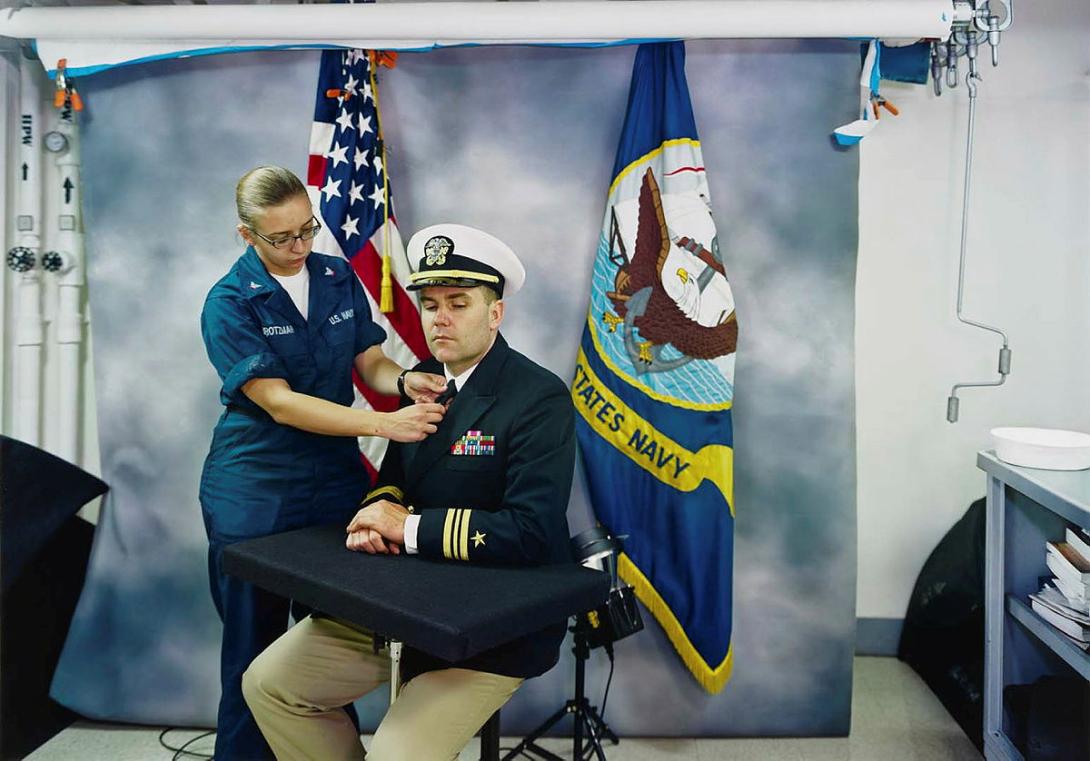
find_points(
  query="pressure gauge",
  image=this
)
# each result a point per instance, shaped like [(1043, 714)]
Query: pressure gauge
[(21, 259), (55, 142)]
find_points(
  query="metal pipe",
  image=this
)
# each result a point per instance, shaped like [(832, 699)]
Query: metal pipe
[(9, 93), (983, 19), (414, 23), (395, 668), (936, 69), (67, 263), (988, 23), (951, 63), (29, 328), (952, 402)]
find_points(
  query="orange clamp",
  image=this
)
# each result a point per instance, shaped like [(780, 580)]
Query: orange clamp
[(385, 58), (66, 88)]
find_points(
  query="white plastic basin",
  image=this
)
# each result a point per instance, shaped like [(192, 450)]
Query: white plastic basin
[(1046, 448)]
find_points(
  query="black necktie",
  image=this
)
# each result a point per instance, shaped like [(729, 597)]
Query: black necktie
[(448, 396)]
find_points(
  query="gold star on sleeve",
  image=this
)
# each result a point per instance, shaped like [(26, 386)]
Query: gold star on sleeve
[(478, 539)]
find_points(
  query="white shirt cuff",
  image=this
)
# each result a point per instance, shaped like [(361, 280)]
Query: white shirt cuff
[(412, 523)]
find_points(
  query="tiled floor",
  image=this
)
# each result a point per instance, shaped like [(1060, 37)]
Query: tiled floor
[(895, 717)]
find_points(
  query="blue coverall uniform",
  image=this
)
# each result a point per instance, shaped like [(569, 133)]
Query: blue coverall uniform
[(261, 477)]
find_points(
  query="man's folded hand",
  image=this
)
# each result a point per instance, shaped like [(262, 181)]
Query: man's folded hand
[(370, 541), (378, 528)]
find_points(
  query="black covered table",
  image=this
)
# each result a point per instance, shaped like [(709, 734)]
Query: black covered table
[(449, 609)]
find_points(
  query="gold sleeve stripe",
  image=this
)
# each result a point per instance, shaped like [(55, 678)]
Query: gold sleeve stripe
[(456, 535), (393, 491), (448, 524), (463, 536), (448, 535)]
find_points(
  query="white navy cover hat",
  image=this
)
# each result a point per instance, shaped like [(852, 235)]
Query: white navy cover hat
[(449, 254)]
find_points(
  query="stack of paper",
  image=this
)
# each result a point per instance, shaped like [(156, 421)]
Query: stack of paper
[(1064, 601)]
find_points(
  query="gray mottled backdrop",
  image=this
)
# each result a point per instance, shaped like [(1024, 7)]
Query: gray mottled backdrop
[(519, 141)]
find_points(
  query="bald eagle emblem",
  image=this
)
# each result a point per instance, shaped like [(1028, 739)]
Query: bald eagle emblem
[(437, 249), (672, 291)]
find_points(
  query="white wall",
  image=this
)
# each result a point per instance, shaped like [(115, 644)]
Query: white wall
[(1028, 272)]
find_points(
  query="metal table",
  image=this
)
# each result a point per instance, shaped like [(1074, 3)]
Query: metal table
[(1026, 508)]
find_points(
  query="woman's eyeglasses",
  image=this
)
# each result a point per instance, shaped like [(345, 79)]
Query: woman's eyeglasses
[(308, 233)]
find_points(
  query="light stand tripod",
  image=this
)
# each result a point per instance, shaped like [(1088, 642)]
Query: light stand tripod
[(585, 715)]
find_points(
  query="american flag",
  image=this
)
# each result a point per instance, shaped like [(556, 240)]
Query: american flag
[(347, 181)]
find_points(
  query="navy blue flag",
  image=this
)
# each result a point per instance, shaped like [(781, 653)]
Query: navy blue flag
[(654, 379)]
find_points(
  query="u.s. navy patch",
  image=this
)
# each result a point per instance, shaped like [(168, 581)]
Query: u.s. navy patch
[(437, 250), (474, 443)]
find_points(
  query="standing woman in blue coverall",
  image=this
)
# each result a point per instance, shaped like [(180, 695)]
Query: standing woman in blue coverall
[(284, 328)]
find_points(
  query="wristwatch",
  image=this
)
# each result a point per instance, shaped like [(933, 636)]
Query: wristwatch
[(401, 381)]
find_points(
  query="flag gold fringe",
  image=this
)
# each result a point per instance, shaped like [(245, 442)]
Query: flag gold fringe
[(711, 679)]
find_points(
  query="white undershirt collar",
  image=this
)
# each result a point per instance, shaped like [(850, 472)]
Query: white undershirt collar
[(459, 380), (298, 287)]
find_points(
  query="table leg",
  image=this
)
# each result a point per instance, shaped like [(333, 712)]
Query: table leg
[(490, 739)]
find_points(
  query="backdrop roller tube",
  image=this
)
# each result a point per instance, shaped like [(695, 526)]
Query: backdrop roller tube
[(581, 20)]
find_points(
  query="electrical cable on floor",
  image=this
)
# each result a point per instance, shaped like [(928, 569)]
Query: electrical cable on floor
[(605, 695), (181, 751)]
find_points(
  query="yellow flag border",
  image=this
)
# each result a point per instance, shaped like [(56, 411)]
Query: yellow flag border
[(711, 462), (711, 679), (648, 156)]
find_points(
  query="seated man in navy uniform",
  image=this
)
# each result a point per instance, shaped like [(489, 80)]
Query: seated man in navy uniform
[(490, 486)]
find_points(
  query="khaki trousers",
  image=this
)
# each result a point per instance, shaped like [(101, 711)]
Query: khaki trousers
[(297, 688)]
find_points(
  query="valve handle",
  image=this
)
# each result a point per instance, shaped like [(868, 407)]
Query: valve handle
[(52, 261), (21, 259)]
